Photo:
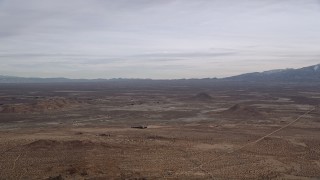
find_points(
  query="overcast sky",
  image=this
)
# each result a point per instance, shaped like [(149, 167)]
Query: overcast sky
[(156, 38)]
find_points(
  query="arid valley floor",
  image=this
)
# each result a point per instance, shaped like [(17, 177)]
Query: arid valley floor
[(193, 130)]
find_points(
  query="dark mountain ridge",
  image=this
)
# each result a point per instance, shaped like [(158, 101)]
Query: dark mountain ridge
[(305, 74)]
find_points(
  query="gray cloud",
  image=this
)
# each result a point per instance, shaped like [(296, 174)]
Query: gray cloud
[(161, 38), (186, 55)]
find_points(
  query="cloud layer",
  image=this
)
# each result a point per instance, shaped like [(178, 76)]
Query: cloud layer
[(156, 39)]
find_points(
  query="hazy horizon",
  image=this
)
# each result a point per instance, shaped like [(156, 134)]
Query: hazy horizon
[(162, 39)]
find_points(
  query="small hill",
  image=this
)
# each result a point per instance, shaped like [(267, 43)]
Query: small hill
[(202, 97), (243, 111)]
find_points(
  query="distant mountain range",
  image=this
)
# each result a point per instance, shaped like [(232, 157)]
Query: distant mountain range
[(305, 74), (14, 79)]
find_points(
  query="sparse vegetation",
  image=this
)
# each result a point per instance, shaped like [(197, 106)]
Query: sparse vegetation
[(81, 134)]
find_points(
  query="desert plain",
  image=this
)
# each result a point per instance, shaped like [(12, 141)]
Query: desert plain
[(143, 129)]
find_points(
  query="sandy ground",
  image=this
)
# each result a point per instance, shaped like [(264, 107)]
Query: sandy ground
[(190, 135)]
